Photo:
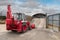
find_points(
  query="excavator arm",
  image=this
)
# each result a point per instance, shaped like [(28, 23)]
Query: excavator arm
[(9, 14)]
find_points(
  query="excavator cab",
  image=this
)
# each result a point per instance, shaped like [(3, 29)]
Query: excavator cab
[(19, 16)]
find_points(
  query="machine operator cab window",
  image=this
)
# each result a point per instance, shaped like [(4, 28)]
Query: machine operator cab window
[(19, 16)]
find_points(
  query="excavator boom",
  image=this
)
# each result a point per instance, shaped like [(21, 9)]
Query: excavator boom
[(9, 14)]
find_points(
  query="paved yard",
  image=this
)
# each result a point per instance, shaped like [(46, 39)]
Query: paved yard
[(34, 34)]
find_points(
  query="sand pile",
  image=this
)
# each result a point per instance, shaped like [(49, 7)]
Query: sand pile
[(39, 22)]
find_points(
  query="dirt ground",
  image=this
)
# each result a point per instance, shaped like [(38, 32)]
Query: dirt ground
[(34, 34)]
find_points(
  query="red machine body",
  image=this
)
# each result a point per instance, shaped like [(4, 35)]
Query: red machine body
[(17, 22)]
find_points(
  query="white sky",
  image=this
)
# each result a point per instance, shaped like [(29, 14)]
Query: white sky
[(29, 7)]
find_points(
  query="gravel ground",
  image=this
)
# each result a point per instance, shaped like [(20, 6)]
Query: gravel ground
[(34, 34)]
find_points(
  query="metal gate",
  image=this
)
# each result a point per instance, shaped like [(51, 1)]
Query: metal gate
[(53, 22)]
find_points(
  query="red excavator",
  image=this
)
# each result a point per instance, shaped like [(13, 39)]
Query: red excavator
[(17, 21)]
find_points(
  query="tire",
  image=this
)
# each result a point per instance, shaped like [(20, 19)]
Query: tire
[(13, 30), (24, 29), (29, 28)]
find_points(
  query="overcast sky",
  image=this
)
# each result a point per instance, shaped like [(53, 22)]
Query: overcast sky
[(31, 7)]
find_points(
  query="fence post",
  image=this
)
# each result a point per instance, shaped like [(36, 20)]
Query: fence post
[(52, 22), (59, 23), (46, 21)]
